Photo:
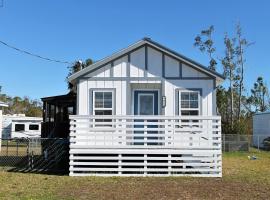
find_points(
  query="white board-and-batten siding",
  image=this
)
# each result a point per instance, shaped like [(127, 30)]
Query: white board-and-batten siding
[(146, 68)]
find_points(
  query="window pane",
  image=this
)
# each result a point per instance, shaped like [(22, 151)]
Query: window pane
[(70, 110), (184, 112), (184, 95), (99, 99), (103, 112), (19, 127), (33, 127), (52, 112), (184, 104), (194, 112), (194, 104), (146, 105), (189, 112), (194, 96), (107, 100)]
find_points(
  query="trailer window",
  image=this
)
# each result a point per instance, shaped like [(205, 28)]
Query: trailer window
[(33, 127), (19, 127)]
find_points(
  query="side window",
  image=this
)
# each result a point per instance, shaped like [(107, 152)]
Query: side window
[(33, 127), (19, 127), (189, 103), (103, 105)]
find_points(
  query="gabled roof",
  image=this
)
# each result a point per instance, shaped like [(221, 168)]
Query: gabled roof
[(135, 46)]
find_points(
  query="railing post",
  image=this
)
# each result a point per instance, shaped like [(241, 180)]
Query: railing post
[(119, 164), (145, 142)]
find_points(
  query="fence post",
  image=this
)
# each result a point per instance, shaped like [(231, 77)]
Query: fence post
[(258, 141), (7, 147), (17, 147), (224, 143), (28, 155), (32, 160)]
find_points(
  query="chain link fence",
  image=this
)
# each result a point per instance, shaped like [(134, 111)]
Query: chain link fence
[(43, 155), (234, 142), (35, 155)]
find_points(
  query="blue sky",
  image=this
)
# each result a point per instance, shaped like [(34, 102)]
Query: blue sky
[(72, 30)]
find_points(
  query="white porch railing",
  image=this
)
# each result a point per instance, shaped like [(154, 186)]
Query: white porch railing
[(140, 131), (196, 138)]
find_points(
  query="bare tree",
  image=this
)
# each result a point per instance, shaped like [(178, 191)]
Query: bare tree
[(205, 42), (242, 44), (229, 67)]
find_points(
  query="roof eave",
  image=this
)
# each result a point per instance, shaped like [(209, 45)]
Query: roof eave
[(73, 77)]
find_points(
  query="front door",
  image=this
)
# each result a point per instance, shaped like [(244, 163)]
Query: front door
[(145, 103)]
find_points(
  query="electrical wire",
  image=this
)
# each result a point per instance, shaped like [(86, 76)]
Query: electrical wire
[(35, 55)]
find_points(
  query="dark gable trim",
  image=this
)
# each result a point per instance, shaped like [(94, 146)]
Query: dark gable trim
[(144, 78), (188, 78), (146, 57), (214, 84), (121, 56), (128, 66), (145, 60), (184, 58), (163, 65), (111, 69), (145, 46), (180, 70), (160, 48), (175, 57)]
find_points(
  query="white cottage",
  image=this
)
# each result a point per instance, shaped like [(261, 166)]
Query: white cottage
[(146, 110)]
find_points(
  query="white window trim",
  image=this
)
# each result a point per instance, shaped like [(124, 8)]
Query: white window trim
[(93, 100), (144, 89), (189, 109)]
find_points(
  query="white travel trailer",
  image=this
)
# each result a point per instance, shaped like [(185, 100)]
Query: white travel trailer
[(2, 105), (146, 110), (20, 126)]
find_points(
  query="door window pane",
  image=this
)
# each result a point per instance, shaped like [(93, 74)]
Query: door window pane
[(146, 104)]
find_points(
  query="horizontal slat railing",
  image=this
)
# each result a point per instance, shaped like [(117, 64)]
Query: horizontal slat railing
[(145, 146), (151, 131)]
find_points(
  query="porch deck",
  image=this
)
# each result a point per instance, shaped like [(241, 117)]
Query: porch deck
[(145, 145)]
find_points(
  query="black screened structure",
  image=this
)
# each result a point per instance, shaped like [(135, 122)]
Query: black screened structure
[(56, 111)]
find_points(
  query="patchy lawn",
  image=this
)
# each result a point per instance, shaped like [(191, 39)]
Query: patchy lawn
[(242, 179)]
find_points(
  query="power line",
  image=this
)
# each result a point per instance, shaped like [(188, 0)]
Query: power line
[(35, 55)]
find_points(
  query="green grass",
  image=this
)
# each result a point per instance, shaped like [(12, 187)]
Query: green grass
[(242, 179)]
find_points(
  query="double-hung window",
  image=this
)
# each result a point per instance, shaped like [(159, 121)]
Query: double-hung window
[(189, 103), (103, 104)]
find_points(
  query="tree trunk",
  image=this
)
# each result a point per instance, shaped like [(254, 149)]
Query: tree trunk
[(241, 81), (231, 98)]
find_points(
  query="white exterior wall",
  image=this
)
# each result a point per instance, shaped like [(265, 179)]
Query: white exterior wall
[(124, 77), (261, 128)]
